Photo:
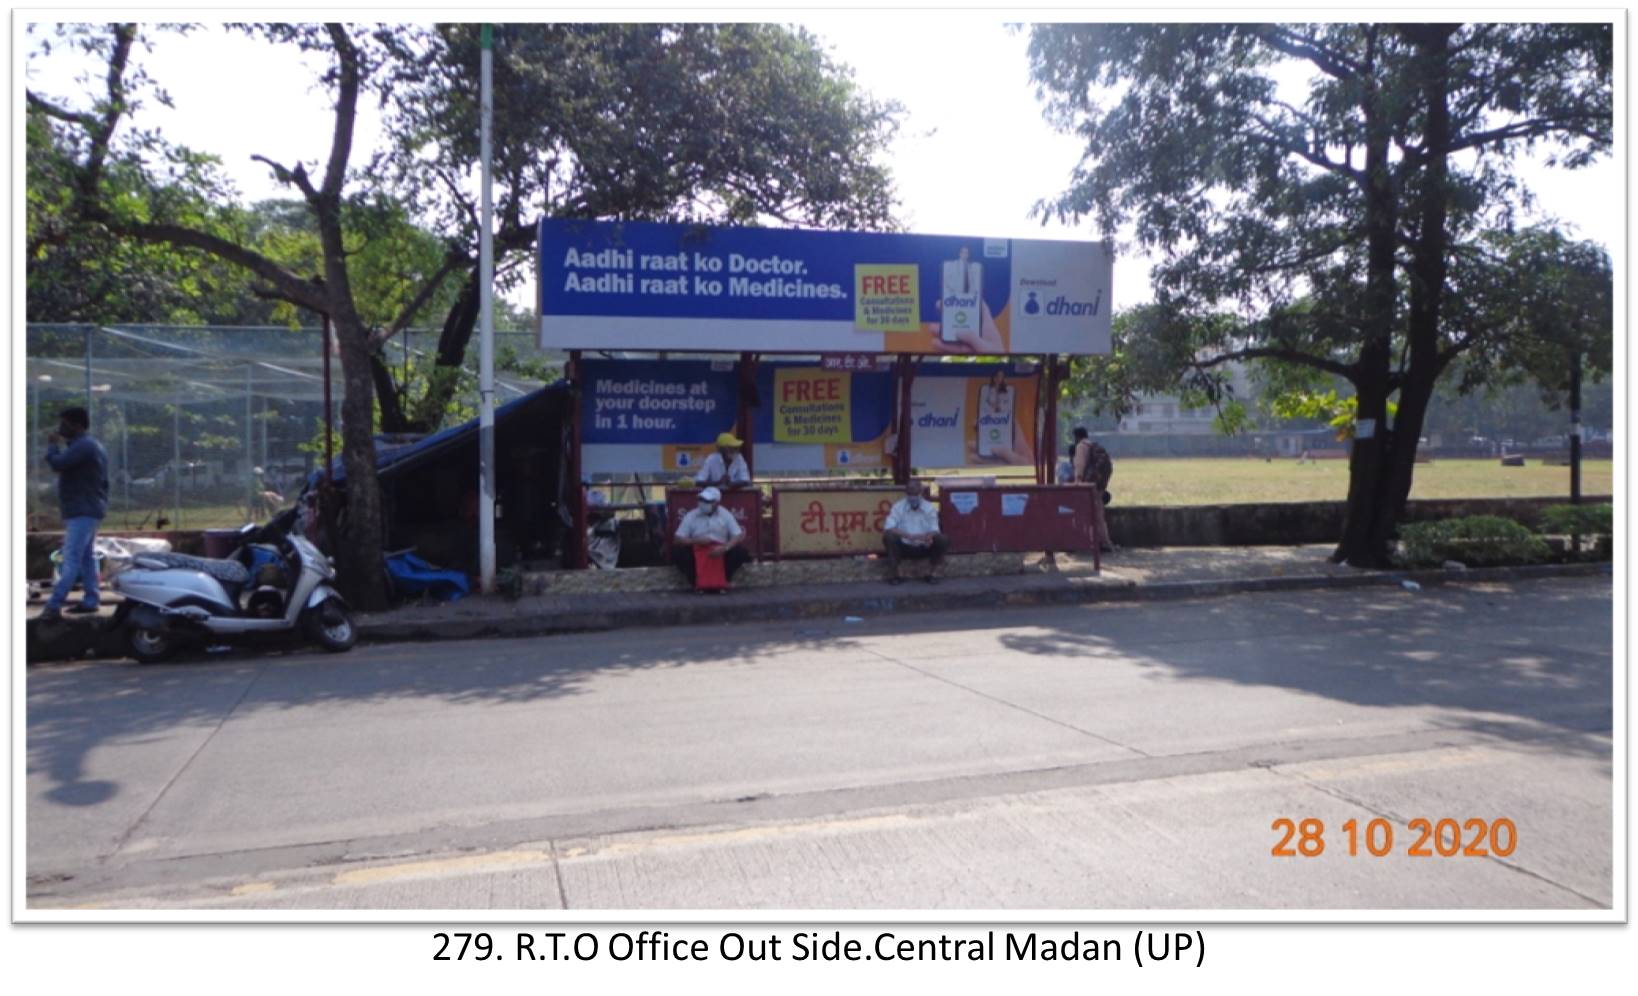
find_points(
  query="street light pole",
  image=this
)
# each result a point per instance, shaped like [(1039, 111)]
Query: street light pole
[(1575, 427), (486, 333)]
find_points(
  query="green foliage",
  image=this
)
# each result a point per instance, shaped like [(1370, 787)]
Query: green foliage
[(730, 123), (1475, 540), (1150, 352), (1258, 200), (1529, 301), (315, 445), (1578, 520), (1340, 413)]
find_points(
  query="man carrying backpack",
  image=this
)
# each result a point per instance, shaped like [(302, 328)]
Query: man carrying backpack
[(1093, 466)]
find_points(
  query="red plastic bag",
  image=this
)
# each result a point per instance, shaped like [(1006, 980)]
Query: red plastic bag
[(710, 572)]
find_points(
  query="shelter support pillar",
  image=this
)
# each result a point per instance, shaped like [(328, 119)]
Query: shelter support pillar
[(745, 420), (576, 490), (904, 375), (1047, 446)]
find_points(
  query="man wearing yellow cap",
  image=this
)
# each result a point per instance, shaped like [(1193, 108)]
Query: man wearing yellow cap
[(726, 468)]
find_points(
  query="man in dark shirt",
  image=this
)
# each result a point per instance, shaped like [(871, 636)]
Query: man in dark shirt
[(82, 491)]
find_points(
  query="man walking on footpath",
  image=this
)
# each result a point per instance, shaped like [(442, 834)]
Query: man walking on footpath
[(1093, 466), (82, 492), (911, 530)]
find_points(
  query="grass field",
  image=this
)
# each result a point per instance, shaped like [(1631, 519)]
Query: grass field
[(1237, 480)]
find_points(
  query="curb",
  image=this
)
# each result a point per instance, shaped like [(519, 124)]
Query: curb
[(1060, 591)]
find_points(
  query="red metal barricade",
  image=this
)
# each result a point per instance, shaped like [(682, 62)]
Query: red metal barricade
[(1017, 518)]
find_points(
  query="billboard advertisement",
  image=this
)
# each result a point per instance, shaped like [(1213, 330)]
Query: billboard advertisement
[(972, 415), (812, 418), (642, 416), (647, 415), (667, 287)]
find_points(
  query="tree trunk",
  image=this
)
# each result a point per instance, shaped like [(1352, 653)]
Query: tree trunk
[(1400, 464), (359, 550), (388, 393), (452, 343), (1427, 284), (1372, 378)]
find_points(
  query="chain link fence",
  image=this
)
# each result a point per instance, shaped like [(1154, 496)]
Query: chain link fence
[(210, 427)]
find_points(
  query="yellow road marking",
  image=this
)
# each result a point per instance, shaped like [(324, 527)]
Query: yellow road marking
[(467, 864), (740, 835)]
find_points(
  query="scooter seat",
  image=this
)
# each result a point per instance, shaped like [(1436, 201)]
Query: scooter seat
[(226, 571)]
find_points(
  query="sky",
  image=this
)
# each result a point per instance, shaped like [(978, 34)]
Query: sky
[(973, 155)]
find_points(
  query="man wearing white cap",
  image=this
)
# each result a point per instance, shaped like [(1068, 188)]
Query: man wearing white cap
[(726, 468), (713, 527)]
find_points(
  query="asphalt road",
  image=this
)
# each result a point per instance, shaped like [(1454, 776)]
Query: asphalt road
[(1109, 757)]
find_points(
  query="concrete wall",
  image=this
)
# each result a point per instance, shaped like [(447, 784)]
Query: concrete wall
[(1277, 524), (40, 545)]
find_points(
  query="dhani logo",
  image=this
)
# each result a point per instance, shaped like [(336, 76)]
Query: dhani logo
[(931, 421), (1062, 305)]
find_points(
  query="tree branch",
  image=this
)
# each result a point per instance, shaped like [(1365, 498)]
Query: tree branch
[(1532, 128), (1273, 137), (39, 103), (1302, 47), (1273, 353), (341, 145), (430, 287), (297, 290), (294, 177)]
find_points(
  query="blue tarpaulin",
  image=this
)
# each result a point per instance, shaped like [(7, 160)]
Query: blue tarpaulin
[(412, 576)]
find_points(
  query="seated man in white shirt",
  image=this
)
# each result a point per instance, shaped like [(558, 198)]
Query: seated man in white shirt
[(911, 531), (726, 468), (709, 525)]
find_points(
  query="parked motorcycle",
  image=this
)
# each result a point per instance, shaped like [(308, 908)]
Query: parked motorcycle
[(275, 581)]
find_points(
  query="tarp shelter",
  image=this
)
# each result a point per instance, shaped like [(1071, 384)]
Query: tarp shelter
[(429, 487)]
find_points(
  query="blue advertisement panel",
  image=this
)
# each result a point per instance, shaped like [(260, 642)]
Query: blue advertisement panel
[(643, 285), (643, 416), (817, 419), (647, 415)]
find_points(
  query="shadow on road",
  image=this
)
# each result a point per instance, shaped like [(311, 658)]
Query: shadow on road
[(1534, 652)]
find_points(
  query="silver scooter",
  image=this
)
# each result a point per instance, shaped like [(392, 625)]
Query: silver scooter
[(276, 581)]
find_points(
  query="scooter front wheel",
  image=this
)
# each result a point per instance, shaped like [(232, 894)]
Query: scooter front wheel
[(150, 646), (331, 626)]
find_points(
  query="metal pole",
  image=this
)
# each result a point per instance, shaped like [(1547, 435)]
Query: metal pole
[(329, 410), (176, 454), (486, 339), (1575, 427), (907, 376), (125, 453), (577, 513), (745, 420), (88, 369), (33, 441), (250, 473)]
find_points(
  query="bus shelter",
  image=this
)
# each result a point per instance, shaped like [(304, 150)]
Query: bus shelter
[(844, 361)]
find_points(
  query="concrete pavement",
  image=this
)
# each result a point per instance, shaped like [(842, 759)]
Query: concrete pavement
[(592, 601), (1082, 757)]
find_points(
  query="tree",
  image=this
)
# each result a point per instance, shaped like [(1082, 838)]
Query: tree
[(127, 184), (711, 123), (1335, 223)]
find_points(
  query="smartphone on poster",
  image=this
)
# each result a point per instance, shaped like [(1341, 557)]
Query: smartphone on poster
[(961, 297)]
